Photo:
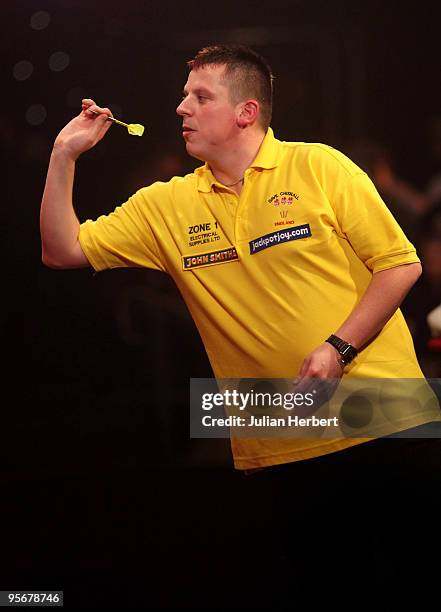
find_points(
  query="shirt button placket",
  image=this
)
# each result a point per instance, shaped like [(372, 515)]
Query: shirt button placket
[(241, 217)]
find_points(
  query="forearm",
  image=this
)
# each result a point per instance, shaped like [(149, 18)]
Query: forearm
[(381, 299), (59, 224)]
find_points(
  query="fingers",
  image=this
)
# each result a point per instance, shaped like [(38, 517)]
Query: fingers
[(91, 109), (86, 103)]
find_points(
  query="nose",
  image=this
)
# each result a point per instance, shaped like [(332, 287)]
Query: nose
[(183, 110)]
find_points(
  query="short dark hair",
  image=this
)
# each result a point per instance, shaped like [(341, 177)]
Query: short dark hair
[(248, 73)]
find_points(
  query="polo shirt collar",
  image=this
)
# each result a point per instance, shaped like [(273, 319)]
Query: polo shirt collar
[(268, 157)]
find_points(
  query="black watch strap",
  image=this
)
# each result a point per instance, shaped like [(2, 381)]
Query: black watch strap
[(346, 350)]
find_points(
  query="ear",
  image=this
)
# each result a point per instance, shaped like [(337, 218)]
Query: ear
[(248, 112)]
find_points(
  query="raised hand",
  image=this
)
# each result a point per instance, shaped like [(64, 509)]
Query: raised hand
[(85, 130)]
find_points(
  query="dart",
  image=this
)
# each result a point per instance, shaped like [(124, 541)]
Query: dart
[(134, 129)]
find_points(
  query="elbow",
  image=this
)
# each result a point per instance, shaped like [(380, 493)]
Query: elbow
[(49, 262), (418, 270), (414, 272)]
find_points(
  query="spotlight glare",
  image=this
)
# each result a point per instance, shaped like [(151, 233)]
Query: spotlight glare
[(36, 114), (22, 70), (40, 20), (59, 61)]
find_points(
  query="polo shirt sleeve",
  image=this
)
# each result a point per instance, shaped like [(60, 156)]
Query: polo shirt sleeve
[(369, 226), (123, 238)]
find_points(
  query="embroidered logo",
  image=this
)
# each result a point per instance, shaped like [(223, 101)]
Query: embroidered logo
[(285, 219), (284, 198), (203, 233)]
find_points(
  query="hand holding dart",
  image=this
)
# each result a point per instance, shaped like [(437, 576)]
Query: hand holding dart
[(134, 129)]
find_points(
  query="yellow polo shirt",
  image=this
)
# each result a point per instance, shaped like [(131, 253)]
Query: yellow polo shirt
[(270, 274)]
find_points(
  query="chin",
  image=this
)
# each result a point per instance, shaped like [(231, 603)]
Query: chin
[(193, 152)]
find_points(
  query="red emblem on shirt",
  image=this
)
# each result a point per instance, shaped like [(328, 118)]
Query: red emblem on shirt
[(284, 198)]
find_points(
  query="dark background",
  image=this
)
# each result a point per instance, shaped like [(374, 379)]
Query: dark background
[(103, 492)]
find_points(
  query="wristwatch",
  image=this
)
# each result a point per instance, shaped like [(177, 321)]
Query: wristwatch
[(346, 350)]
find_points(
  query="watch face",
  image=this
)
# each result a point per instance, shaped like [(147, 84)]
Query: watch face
[(349, 353), (346, 350)]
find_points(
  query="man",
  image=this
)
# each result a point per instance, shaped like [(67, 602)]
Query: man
[(341, 265), (290, 263)]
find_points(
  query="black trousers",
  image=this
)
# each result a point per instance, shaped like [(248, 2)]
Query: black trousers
[(365, 521)]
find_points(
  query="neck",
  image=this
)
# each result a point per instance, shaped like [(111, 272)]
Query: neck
[(230, 168)]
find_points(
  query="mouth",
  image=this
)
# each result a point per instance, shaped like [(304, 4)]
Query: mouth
[(187, 130)]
